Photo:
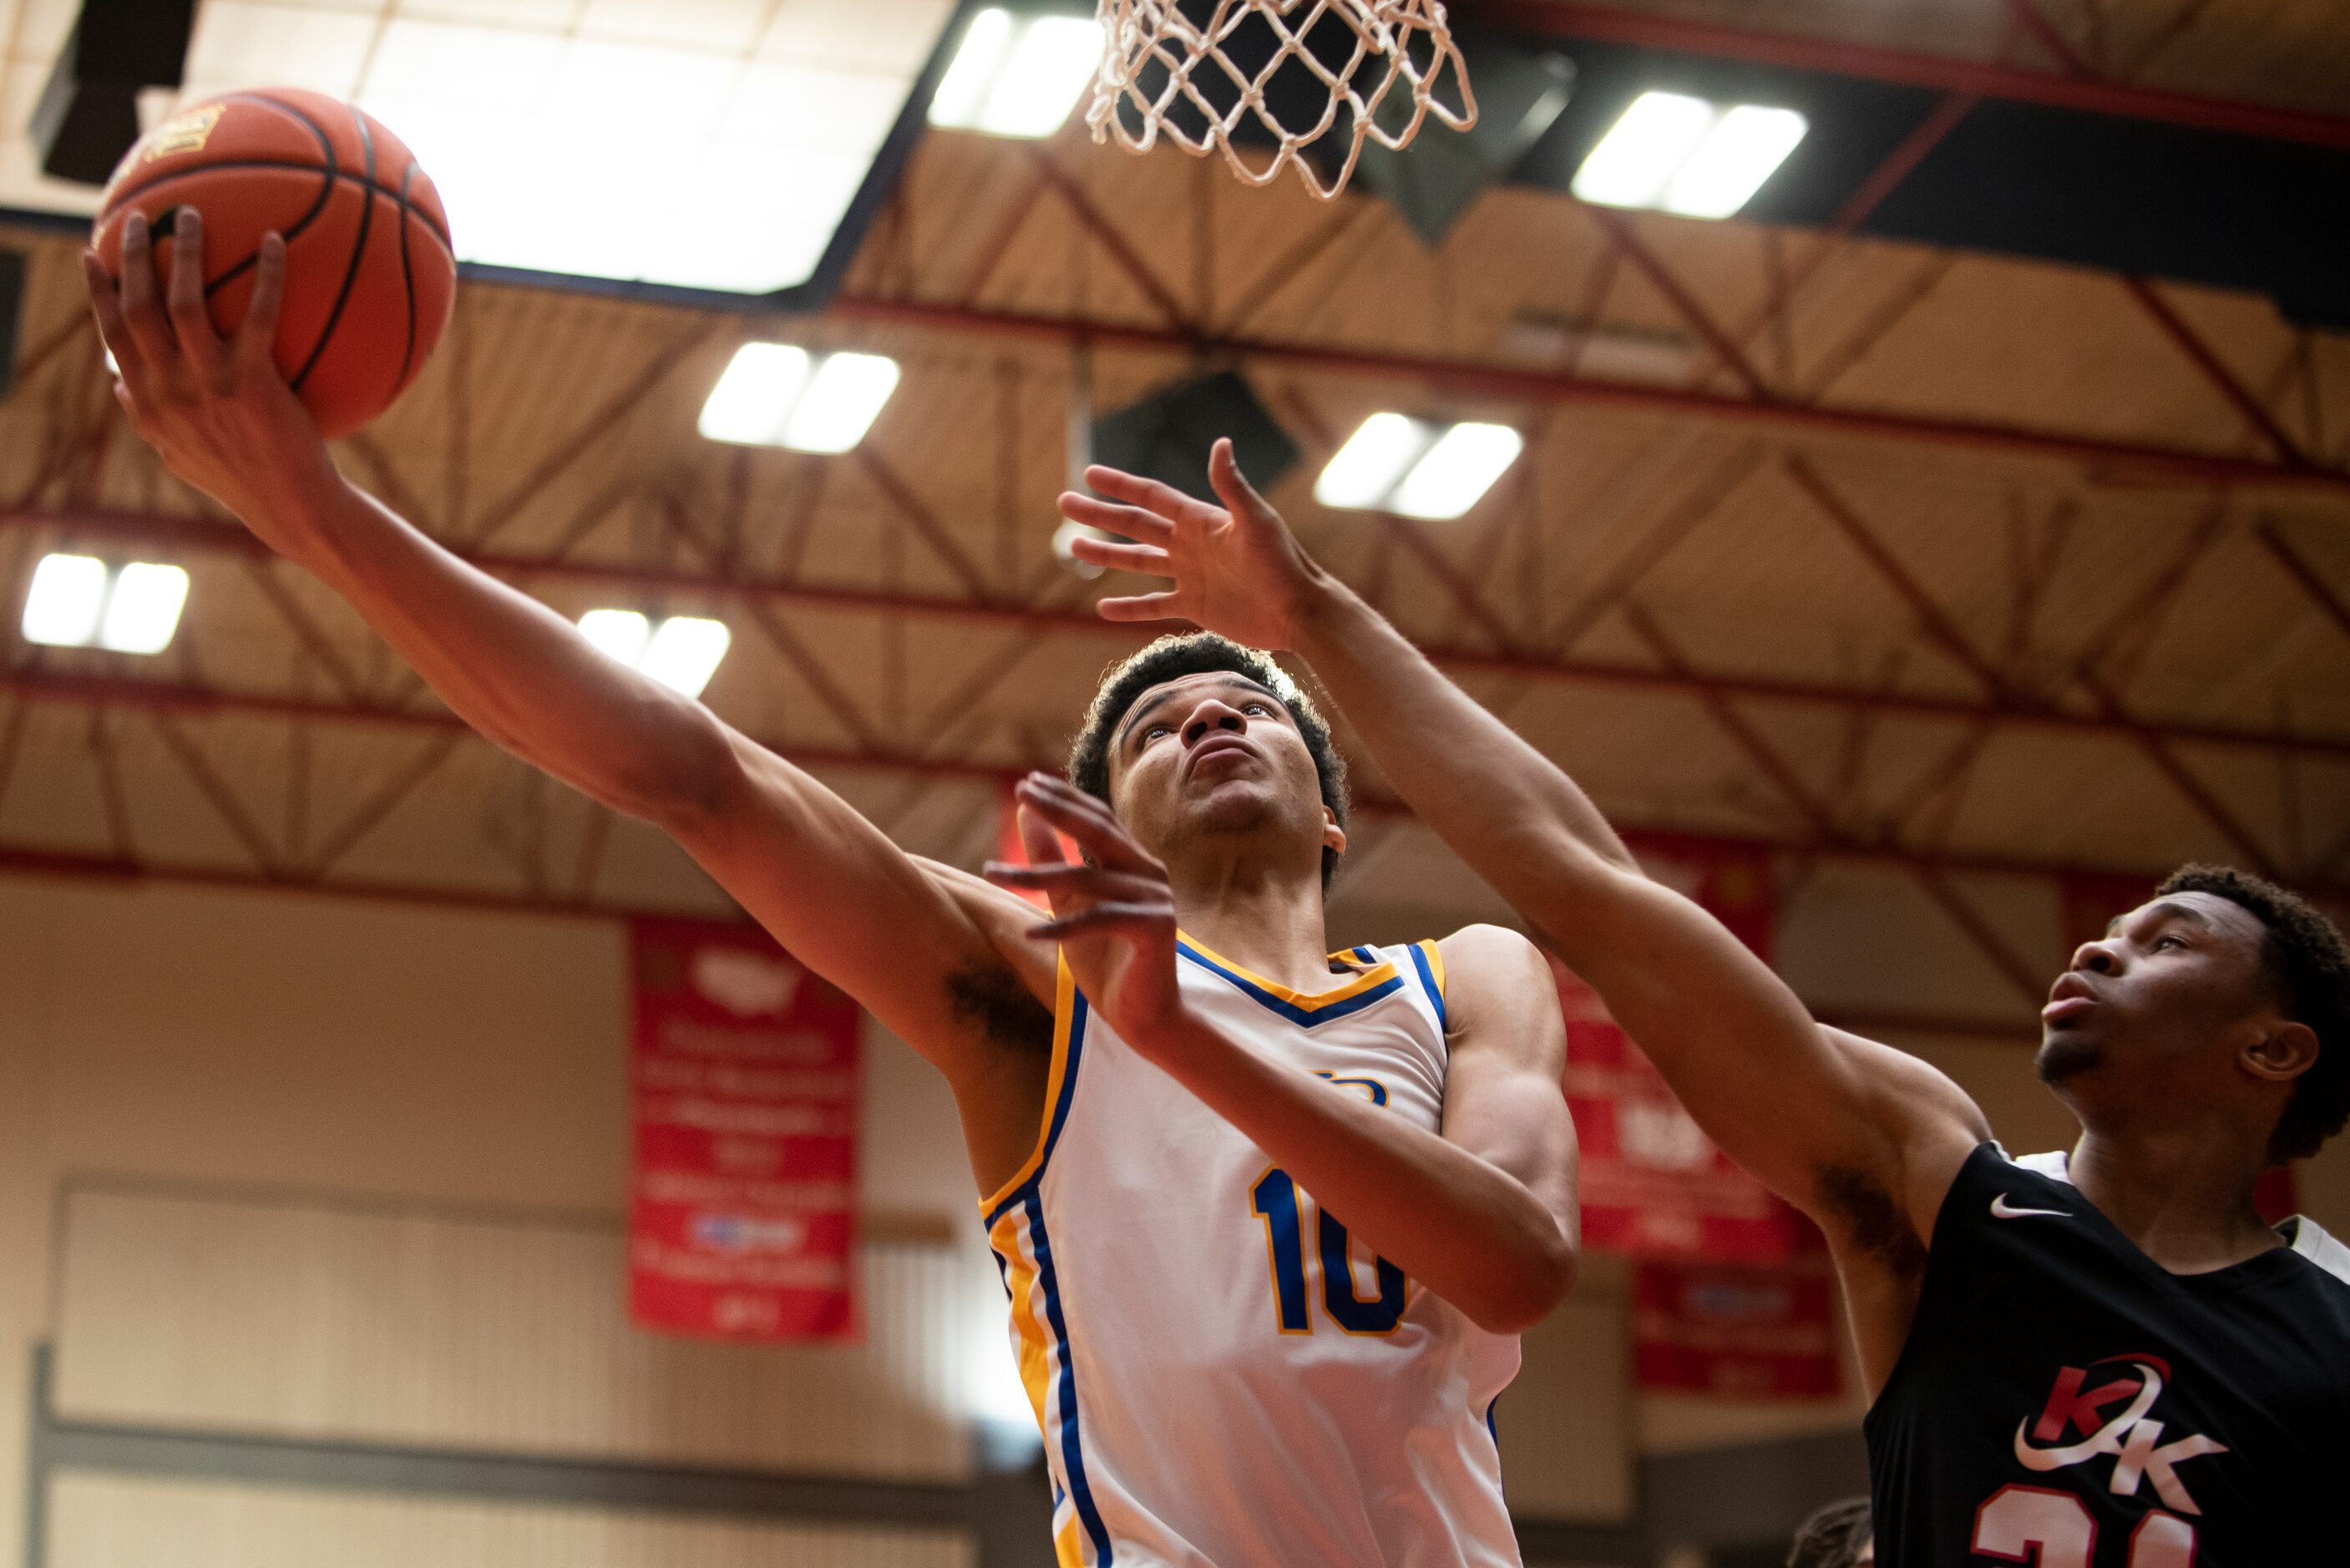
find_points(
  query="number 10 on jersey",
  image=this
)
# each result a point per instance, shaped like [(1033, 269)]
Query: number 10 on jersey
[(1276, 1201)]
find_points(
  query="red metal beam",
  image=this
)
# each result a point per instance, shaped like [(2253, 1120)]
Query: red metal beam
[(1559, 18), (2129, 461), (2299, 568), (169, 700), (198, 533), (1628, 242), (2214, 370), (1129, 260), (2029, 18)]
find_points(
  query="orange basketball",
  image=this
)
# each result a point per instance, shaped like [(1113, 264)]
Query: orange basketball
[(370, 276)]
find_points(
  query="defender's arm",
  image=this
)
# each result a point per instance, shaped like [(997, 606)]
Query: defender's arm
[(1862, 1138), (828, 884)]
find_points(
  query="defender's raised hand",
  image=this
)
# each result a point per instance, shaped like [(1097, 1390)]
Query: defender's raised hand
[(1237, 568), (219, 414), (1113, 913)]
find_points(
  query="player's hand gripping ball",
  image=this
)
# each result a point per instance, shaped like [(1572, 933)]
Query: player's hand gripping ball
[(370, 276)]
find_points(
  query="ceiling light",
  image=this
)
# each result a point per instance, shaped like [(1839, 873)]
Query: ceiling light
[(143, 610), (1688, 156), (67, 595), (1730, 165), (773, 394), (682, 652), (1017, 77), (1637, 157), (620, 634), (78, 601), (752, 399), (685, 653), (1364, 471), (842, 400), (973, 71), (1457, 471)]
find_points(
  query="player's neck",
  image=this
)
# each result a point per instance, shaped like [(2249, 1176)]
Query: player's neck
[(1267, 920), (2184, 1195)]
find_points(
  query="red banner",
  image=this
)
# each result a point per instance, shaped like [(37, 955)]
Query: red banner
[(1653, 1184), (1737, 1333), (743, 1078)]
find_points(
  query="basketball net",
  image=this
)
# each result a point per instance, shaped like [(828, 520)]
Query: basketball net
[(1380, 72)]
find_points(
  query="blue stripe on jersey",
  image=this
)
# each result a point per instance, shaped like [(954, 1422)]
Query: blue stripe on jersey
[(1060, 1110), (1304, 1018), (1428, 983), (1073, 1458)]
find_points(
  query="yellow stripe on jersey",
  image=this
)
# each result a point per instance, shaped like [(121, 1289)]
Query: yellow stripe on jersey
[(1435, 965), (1304, 1001), (1065, 996), (1036, 1351)]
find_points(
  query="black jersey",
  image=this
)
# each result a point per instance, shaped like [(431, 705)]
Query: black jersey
[(2065, 1401)]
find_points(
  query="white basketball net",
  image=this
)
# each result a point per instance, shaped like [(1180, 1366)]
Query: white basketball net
[(1381, 66)]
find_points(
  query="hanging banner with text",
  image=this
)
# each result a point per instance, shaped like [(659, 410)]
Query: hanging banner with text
[(744, 1086), (1764, 1333), (1653, 1184)]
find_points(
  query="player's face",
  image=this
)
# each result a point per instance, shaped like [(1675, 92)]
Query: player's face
[(2176, 980), (1212, 756)]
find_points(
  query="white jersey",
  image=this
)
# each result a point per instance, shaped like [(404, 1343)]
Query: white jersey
[(1223, 1378)]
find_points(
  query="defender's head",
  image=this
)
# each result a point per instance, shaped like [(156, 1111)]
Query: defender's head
[(2224, 991), (1196, 738)]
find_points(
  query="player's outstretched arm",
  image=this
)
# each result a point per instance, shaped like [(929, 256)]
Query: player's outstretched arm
[(828, 884), (1860, 1136)]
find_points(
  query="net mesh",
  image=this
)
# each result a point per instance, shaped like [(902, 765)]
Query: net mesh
[(1200, 72)]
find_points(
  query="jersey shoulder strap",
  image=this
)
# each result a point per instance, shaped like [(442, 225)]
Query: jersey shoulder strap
[(2056, 1165), (2310, 1239)]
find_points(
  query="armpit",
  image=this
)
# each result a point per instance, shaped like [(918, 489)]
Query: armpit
[(1872, 1219), (990, 999)]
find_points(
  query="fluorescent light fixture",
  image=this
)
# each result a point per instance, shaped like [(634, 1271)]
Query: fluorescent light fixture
[(1688, 156), (620, 634), (775, 394), (682, 653), (66, 599), (842, 400), (1457, 471), (969, 75), (1017, 77), (1638, 156), (1730, 165), (143, 610), (1381, 452), (685, 653), (752, 399), (79, 601)]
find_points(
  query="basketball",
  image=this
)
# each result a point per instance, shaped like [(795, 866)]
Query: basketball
[(370, 276)]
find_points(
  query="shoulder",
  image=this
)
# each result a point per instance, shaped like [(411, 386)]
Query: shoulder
[(1906, 1090), (1499, 989), (1493, 951)]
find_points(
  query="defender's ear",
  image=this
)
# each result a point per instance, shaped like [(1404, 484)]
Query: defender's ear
[(2282, 1053), (1334, 837)]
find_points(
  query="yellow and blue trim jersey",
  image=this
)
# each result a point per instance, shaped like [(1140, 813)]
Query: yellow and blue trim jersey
[(1223, 1375)]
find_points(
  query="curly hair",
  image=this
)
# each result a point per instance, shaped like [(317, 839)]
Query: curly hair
[(1202, 653), (2308, 970), (1833, 1537)]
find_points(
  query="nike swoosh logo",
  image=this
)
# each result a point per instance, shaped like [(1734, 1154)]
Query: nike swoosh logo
[(1999, 1211)]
